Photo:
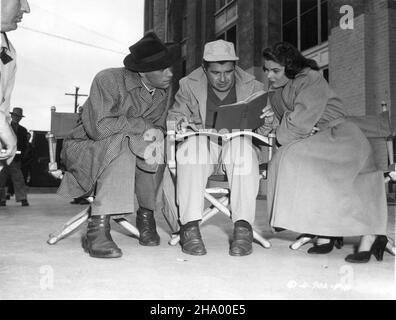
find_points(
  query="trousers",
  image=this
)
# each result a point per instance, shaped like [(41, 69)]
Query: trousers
[(117, 185), (198, 158), (13, 170)]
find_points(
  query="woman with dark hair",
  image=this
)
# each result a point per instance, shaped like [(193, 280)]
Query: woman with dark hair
[(323, 179)]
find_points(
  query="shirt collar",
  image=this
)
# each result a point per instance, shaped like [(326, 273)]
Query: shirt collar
[(4, 41), (150, 91)]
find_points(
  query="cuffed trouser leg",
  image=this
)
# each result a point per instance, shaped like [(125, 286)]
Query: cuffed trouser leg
[(115, 187), (195, 163), (241, 161)]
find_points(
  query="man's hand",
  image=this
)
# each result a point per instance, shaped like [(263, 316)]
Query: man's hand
[(153, 135), (267, 115), (181, 125), (8, 141)]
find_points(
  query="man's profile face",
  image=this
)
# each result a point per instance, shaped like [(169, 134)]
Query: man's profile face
[(160, 79), (12, 12), (221, 76)]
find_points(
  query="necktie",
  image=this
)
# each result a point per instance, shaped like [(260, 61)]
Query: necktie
[(4, 57)]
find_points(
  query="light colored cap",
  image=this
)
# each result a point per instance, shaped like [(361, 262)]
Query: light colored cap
[(219, 50)]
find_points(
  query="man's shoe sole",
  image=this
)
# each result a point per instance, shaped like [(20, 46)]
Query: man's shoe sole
[(96, 255), (239, 254), (149, 244), (192, 253)]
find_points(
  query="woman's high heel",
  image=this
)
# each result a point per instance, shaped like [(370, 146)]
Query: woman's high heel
[(377, 250), (327, 247)]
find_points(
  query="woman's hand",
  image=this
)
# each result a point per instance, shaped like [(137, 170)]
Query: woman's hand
[(267, 115)]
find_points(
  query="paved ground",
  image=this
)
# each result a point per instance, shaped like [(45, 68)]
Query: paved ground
[(32, 269)]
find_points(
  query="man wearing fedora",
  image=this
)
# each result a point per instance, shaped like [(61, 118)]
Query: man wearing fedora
[(217, 82), (13, 170), (108, 154)]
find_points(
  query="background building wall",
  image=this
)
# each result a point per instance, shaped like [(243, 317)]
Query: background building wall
[(362, 61)]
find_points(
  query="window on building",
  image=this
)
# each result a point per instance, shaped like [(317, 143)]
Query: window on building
[(289, 21), (226, 17), (229, 35), (184, 67), (150, 12), (221, 3), (304, 22)]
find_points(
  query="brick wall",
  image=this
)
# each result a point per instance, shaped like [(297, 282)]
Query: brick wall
[(359, 59), (347, 65), (377, 56), (392, 61)]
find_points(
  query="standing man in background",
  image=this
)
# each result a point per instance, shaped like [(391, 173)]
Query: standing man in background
[(11, 14), (13, 170)]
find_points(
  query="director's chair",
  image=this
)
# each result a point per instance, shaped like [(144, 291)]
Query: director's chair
[(61, 125), (377, 130), (216, 204)]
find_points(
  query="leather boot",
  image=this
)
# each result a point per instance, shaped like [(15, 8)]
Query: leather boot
[(191, 240), (145, 223), (98, 241), (242, 242)]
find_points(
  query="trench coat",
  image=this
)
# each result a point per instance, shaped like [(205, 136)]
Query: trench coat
[(326, 183), (112, 119)]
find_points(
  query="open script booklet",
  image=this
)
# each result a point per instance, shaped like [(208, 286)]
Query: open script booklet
[(232, 120)]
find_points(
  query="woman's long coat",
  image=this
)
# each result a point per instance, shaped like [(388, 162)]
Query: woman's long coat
[(326, 183)]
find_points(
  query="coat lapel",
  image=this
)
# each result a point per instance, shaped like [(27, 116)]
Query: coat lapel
[(199, 88)]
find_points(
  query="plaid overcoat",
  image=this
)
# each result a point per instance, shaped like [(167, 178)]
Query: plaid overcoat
[(113, 118)]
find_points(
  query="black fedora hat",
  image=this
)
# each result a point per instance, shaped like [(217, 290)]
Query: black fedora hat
[(150, 54), (17, 112)]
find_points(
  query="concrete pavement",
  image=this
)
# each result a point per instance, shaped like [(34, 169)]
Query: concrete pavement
[(32, 269)]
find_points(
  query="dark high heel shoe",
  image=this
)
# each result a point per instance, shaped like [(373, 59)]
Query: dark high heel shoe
[(327, 247), (377, 250)]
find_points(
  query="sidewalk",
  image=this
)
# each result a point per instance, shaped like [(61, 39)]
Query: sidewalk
[(32, 269)]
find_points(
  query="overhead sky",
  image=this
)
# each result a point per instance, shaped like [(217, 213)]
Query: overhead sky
[(62, 44)]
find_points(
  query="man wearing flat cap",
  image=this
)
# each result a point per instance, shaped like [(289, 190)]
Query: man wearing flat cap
[(13, 170), (108, 154), (217, 82)]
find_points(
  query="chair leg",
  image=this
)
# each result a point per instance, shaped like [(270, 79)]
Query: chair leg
[(301, 241), (390, 246), (127, 226), (208, 213), (69, 227), (264, 242)]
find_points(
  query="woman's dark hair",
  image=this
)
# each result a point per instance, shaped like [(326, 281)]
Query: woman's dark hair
[(288, 56)]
